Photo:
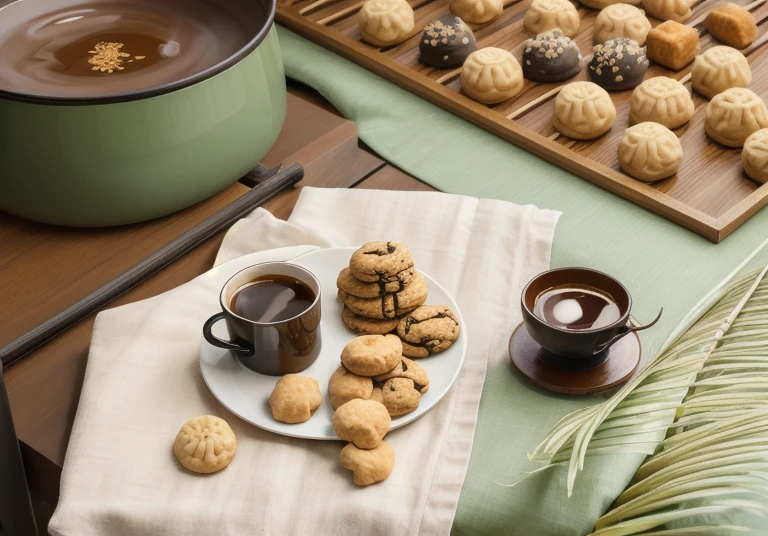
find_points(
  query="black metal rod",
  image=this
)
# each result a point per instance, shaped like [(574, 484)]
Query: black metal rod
[(161, 258)]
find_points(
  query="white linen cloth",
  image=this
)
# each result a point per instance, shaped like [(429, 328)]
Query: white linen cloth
[(143, 382)]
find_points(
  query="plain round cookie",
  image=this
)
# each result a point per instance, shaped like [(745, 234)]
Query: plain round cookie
[(583, 111), (428, 330), (389, 306), (734, 115), (650, 152), (380, 261), (408, 369), (718, 69), (345, 386), (754, 156), (295, 398), (385, 22), (621, 20), (491, 75), (476, 11), (371, 355), (544, 15), (663, 100), (205, 444), (368, 326), (362, 422), (368, 465), (400, 396)]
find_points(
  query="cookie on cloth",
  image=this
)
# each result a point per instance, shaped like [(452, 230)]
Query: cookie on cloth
[(428, 330), (368, 326), (368, 465), (389, 306), (295, 398), (371, 355), (380, 261), (408, 369), (400, 396), (345, 386), (205, 444), (362, 422)]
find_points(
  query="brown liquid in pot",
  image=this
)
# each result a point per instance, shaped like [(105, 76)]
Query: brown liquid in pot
[(111, 47)]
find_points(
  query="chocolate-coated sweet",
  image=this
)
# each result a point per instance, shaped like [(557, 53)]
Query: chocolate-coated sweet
[(618, 64), (551, 57), (446, 42)]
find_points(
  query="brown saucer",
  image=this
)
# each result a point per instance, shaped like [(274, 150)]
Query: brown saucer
[(623, 360)]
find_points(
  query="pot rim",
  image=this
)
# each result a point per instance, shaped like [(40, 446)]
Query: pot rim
[(155, 91)]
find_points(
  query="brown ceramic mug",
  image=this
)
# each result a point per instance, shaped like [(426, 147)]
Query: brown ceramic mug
[(578, 348), (272, 348)]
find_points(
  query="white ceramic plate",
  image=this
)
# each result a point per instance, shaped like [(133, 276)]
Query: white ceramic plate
[(246, 393)]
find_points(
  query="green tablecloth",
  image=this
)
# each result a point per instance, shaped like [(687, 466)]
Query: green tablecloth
[(661, 263)]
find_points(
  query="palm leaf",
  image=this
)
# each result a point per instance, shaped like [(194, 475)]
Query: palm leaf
[(700, 410)]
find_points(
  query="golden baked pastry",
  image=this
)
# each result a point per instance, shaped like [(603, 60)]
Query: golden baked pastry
[(718, 69), (676, 10), (400, 396), (672, 44), (754, 156), (583, 110), (732, 25), (205, 444), (295, 398), (408, 369), (621, 20), (663, 100), (491, 75), (345, 386), (371, 355), (368, 465), (544, 15), (650, 152), (734, 115), (476, 11), (385, 22), (362, 422)]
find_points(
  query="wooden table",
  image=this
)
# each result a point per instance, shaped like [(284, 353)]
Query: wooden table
[(44, 269)]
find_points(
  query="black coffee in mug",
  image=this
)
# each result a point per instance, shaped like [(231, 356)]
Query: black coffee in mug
[(576, 307), (272, 298)]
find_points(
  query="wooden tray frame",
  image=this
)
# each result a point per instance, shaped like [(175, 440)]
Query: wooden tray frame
[(714, 229)]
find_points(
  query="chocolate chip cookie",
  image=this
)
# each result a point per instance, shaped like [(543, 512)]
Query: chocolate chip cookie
[(362, 422), (353, 286), (371, 355), (407, 369), (380, 261), (368, 326), (400, 396), (428, 330), (345, 386), (368, 465), (389, 305)]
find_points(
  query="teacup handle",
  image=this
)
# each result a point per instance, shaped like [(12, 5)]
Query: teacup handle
[(236, 346), (626, 330)]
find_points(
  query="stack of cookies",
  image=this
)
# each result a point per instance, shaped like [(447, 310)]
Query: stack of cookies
[(379, 287)]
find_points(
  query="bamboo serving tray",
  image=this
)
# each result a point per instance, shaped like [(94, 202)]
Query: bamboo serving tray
[(710, 195)]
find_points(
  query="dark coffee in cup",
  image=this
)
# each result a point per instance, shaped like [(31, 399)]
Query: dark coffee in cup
[(576, 307), (272, 298)]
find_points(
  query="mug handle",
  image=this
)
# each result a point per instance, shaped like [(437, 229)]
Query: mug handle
[(626, 330), (236, 346)]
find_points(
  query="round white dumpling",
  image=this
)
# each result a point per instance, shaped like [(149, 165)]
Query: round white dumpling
[(755, 156), (545, 15), (385, 22), (491, 75), (663, 100), (650, 152), (621, 20), (676, 10), (476, 11), (583, 110), (734, 115), (602, 4), (718, 69)]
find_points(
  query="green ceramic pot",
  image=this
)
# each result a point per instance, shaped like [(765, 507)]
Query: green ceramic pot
[(126, 158)]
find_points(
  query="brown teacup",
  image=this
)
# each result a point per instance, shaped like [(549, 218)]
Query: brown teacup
[(272, 311), (577, 314)]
